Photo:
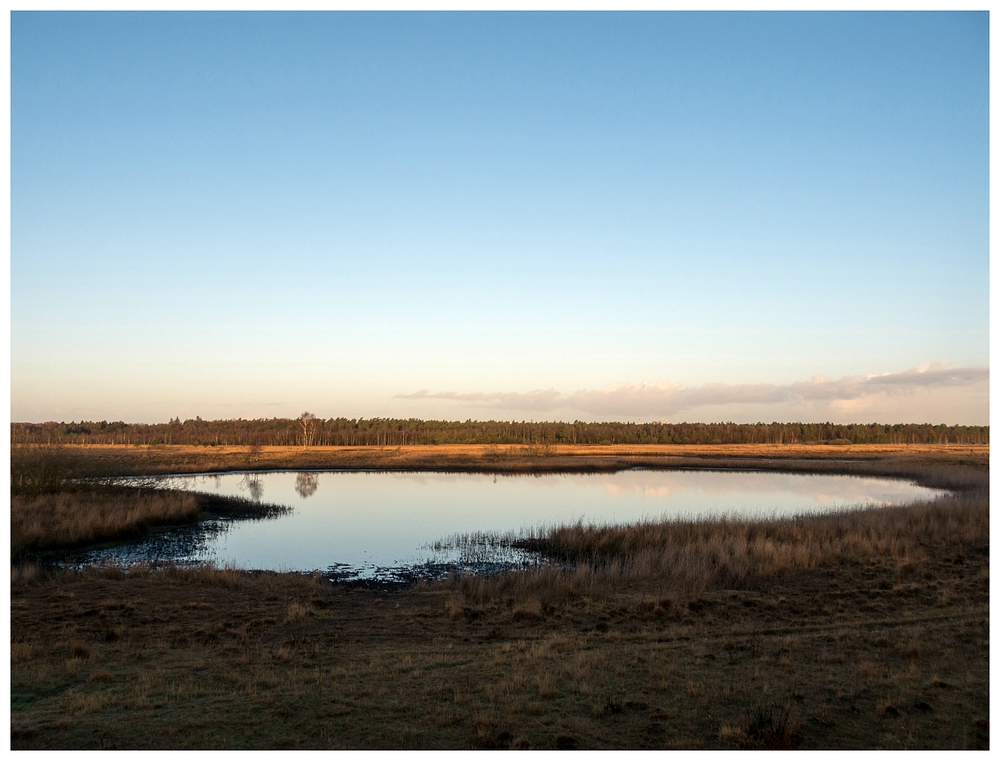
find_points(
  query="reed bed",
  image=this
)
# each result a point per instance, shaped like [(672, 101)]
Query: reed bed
[(62, 499), (41, 469), (682, 559), (67, 519)]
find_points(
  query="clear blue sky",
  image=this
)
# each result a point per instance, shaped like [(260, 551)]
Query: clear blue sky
[(500, 215)]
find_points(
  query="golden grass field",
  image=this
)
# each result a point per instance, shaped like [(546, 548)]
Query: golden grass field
[(856, 630), (488, 451), (122, 460)]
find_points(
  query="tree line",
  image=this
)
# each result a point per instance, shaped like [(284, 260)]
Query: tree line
[(396, 432)]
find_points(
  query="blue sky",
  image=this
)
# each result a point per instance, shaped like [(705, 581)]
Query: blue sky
[(514, 215)]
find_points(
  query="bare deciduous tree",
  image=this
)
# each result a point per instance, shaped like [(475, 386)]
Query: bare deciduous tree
[(307, 422)]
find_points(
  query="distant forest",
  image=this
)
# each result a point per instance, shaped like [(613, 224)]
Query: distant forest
[(393, 432)]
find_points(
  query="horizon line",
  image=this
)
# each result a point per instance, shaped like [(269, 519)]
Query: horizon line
[(497, 420)]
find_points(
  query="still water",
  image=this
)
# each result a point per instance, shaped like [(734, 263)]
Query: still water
[(385, 525)]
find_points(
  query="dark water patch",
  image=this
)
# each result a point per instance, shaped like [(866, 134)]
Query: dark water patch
[(174, 544)]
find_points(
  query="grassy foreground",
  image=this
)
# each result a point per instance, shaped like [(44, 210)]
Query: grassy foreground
[(859, 630)]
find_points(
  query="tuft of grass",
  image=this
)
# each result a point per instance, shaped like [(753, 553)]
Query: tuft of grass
[(612, 705), (764, 727), (23, 574), (20, 652), (296, 613), (546, 686), (528, 610), (456, 611), (79, 649), (868, 670)]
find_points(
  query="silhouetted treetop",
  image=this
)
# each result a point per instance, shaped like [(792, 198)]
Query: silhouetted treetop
[(314, 431)]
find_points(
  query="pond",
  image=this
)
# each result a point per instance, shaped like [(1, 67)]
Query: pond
[(384, 525)]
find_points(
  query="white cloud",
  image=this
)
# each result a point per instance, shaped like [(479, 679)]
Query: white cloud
[(930, 393)]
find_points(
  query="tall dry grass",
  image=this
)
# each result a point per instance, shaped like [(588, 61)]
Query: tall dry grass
[(61, 498), (40, 469), (48, 521), (682, 559)]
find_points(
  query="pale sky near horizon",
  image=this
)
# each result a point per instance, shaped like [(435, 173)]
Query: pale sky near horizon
[(634, 216)]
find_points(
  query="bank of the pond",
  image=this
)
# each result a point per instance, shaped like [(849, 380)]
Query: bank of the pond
[(50, 525), (884, 646)]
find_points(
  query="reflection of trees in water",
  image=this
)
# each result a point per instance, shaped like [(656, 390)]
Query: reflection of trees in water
[(252, 483), (306, 484)]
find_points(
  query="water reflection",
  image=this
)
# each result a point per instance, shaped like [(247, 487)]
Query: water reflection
[(383, 525), (306, 484), (253, 485)]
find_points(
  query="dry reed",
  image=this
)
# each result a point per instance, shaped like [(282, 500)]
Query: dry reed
[(682, 559), (76, 518)]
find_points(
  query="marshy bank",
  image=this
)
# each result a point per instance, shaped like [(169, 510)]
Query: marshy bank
[(676, 561), (863, 629), (60, 502)]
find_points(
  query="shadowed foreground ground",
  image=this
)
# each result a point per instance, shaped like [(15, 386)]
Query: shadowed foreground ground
[(857, 657), (885, 647)]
